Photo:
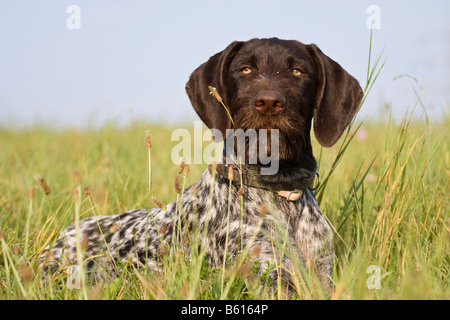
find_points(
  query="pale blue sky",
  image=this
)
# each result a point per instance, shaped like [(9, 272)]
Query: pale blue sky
[(131, 59)]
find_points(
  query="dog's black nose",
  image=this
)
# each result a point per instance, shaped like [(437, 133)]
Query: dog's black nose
[(269, 103)]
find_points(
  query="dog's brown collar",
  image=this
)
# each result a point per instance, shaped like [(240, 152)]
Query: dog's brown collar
[(247, 176)]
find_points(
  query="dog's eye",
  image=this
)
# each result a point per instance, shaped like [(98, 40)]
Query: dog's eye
[(296, 72), (245, 70)]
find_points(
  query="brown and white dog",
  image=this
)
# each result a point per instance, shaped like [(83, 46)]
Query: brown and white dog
[(272, 84)]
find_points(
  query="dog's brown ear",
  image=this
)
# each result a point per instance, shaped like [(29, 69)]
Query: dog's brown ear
[(338, 96), (212, 73)]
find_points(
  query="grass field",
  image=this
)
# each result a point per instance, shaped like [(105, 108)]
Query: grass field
[(387, 201)]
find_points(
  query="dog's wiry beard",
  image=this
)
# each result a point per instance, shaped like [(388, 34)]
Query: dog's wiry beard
[(291, 133)]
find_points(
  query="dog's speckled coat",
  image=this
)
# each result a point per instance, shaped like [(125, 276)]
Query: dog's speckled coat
[(266, 84), (308, 232)]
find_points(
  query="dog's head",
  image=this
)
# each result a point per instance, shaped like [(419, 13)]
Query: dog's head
[(277, 84)]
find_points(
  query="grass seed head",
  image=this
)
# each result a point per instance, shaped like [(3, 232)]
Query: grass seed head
[(263, 211), (50, 256), (214, 164), (85, 242), (148, 141), (76, 194), (27, 274), (163, 228), (177, 184), (186, 170), (95, 292), (31, 193), (114, 228), (214, 93), (182, 164), (230, 173), (87, 191), (16, 249), (159, 203), (242, 269), (44, 186), (163, 251), (77, 177), (256, 251)]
